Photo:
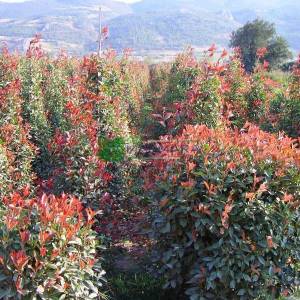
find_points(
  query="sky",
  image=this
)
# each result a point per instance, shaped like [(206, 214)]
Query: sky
[(13, 1), (128, 1)]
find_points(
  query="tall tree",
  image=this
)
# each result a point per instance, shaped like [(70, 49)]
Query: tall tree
[(260, 34)]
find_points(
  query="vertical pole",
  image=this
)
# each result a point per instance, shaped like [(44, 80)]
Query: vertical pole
[(100, 33)]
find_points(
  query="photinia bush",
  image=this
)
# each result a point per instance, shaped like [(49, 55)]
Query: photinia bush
[(227, 222), (235, 87), (70, 104), (16, 150), (44, 87), (290, 114), (217, 89), (114, 90), (193, 94), (48, 250), (181, 76)]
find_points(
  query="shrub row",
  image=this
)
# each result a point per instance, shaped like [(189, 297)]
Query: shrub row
[(218, 87), (67, 127)]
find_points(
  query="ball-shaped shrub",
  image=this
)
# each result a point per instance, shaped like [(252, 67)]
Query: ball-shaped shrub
[(48, 250), (227, 223)]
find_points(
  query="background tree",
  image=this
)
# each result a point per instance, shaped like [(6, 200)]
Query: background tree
[(260, 34)]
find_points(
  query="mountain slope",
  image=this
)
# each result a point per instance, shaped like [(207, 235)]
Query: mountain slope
[(73, 25), (46, 8), (286, 18), (211, 5), (172, 31), (143, 26), (64, 24), (178, 5), (284, 13)]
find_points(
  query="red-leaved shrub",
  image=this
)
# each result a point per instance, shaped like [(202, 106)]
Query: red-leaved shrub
[(227, 222), (48, 248)]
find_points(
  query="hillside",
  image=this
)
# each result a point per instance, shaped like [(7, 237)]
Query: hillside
[(212, 5), (170, 31), (145, 26), (41, 8), (67, 24)]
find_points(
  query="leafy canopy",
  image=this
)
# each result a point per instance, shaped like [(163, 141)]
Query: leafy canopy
[(260, 34)]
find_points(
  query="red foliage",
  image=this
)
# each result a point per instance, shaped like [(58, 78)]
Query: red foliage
[(19, 259), (105, 32), (261, 52), (35, 49), (262, 146)]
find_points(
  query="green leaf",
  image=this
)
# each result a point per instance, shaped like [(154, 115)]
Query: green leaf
[(3, 277), (166, 228), (112, 150), (232, 284), (247, 277), (183, 222), (241, 292), (261, 260)]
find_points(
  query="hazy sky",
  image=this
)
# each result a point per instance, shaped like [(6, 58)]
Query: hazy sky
[(12, 0), (127, 1)]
